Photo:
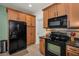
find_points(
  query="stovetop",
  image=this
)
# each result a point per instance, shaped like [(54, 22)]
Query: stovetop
[(58, 36)]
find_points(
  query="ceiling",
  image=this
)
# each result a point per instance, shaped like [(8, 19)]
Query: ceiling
[(25, 8)]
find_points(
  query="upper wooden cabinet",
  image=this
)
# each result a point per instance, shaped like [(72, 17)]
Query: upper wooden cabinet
[(12, 15), (52, 11), (21, 16), (33, 20), (61, 9), (45, 18), (28, 20), (74, 15)]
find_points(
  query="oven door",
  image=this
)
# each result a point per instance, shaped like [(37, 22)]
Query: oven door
[(55, 48)]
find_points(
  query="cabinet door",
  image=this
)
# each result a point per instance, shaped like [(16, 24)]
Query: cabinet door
[(28, 20), (33, 21), (33, 35), (12, 15), (45, 18), (74, 15), (61, 8), (49, 12), (55, 10), (52, 12), (28, 35), (72, 53), (21, 17), (42, 46)]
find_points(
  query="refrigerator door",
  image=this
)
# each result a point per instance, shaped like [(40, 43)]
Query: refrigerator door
[(17, 36), (13, 37), (22, 35)]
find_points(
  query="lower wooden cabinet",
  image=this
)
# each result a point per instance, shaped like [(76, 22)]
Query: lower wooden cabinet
[(31, 35), (72, 51), (42, 46), (28, 35)]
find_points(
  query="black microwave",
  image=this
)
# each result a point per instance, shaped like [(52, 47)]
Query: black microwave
[(58, 22)]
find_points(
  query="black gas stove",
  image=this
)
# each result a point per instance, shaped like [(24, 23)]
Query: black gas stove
[(56, 44)]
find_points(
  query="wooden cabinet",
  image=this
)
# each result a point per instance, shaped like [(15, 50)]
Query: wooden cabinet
[(28, 35), (74, 15), (33, 21), (31, 35), (52, 10), (28, 18), (45, 18), (72, 51), (12, 15), (21, 17), (61, 9), (42, 45), (31, 29), (55, 10)]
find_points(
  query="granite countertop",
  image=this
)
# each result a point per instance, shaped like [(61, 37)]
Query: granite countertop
[(44, 37), (73, 44), (68, 43)]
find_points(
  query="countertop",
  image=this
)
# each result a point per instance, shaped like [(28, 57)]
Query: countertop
[(44, 37), (72, 44), (68, 43)]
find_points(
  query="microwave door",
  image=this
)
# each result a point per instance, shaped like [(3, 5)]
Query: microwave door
[(54, 24), (58, 22)]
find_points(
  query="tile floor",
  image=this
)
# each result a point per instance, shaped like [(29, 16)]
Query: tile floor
[(32, 50)]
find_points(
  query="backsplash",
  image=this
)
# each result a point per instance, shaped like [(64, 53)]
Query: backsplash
[(68, 31)]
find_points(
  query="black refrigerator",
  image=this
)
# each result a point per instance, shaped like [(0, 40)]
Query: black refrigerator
[(17, 36)]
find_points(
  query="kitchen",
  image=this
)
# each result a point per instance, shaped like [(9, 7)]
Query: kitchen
[(54, 31)]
